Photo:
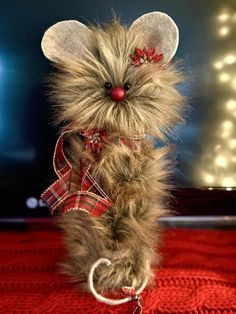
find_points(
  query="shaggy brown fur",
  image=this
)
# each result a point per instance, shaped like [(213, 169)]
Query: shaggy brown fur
[(127, 234)]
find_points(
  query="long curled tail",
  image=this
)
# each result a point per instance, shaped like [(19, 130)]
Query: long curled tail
[(108, 301)]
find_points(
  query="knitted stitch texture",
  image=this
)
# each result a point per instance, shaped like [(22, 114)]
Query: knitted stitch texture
[(198, 275)]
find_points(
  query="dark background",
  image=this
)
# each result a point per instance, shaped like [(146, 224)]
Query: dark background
[(27, 136)]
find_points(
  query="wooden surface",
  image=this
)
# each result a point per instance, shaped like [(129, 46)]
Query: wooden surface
[(200, 201)]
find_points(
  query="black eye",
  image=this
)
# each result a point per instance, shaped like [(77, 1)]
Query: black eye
[(108, 85), (127, 86)]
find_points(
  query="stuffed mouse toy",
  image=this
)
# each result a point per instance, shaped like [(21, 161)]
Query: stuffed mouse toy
[(115, 92)]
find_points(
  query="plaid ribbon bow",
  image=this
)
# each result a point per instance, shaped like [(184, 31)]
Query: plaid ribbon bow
[(91, 198)]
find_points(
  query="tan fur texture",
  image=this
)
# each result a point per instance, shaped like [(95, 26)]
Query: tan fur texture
[(136, 181)]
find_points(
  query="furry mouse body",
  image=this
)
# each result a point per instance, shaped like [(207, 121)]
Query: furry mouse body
[(116, 91)]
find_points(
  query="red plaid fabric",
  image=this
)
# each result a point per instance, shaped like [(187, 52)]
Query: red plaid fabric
[(91, 198), (95, 139), (128, 290)]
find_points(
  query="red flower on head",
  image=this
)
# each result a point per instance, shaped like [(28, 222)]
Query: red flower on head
[(143, 56)]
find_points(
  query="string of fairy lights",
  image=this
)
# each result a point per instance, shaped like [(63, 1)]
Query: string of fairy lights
[(219, 164)]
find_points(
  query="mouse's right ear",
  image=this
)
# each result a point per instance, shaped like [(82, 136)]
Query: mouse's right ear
[(159, 31), (66, 40)]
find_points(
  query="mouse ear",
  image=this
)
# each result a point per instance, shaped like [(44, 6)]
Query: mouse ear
[(65, 40), (159, 32)]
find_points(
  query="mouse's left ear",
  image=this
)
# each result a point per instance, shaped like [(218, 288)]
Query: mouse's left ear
[(66, 40), (160, 32)]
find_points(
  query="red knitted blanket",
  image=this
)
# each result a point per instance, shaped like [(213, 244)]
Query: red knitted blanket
[(198, 275)]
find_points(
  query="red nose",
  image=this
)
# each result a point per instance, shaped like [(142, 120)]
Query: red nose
[(117, 93)]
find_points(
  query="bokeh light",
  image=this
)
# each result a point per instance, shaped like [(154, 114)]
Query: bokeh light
[(229, 59), (232, 143), (218, 65), (231, 104), (221, 161), (224, 77), (223, 17), (224, 31), (227, 182), (218, 161), (227, 125)]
